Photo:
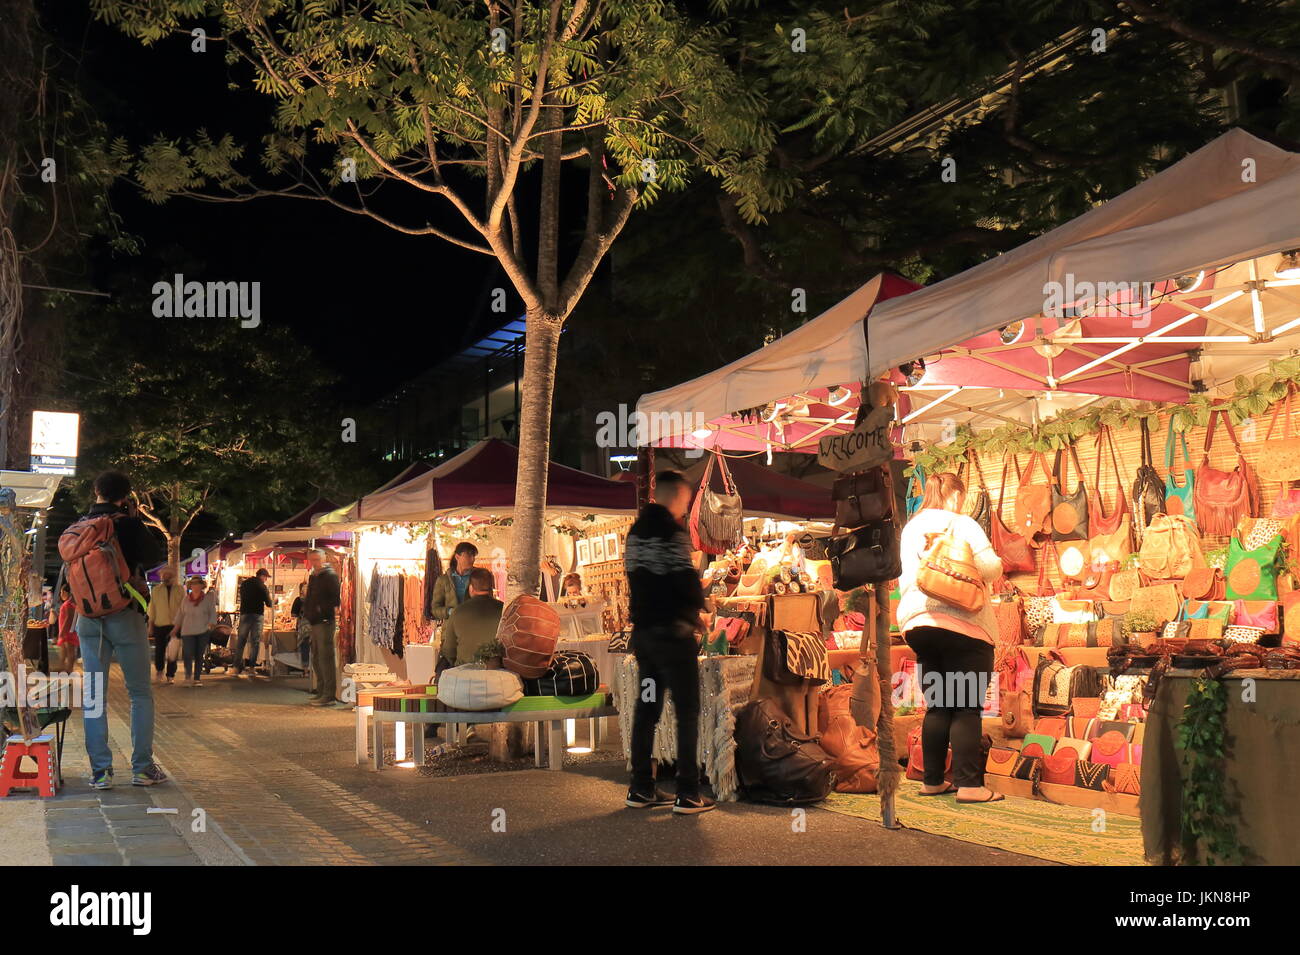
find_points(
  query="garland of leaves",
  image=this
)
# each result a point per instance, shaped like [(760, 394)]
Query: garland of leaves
[(1208, 815), (1252, 397)]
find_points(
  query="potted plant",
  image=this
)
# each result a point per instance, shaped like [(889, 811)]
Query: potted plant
[(490, 655), (1140, 626)]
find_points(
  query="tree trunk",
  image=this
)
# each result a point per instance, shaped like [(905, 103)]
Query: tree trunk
[(541, 350)]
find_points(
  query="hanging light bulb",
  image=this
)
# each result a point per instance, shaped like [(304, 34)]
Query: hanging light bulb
[(838, 395), (770, 411), (1288, 267), (1010, 333), (1186, 283)]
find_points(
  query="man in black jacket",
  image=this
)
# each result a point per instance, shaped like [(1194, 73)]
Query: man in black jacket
[(666, 598), (318, 606), (254, 599)]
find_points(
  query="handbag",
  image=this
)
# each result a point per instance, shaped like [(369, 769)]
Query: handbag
[(1148, 498), (1059, 769), (1179, 500), (1069, 520), (1027, 767), (863, 497), (1086, 708), (948, 572), (1252, 574), (776, 763), (1171, 548), (867, 555), (791, 658), (1051, 688), (1080, 727), (1204, 583), (1091, 775), (977, 506), (1243, 634), (1279, 459), (1100, 525), (1291, 618), (1053, 726), (1224, 497), (717, 520), (915, 491), (572, 673), (1014, 550), (1287, 503), (1033, 506), (621, 642), (173, 650), (916, 759), (1124, 778), (1124, 585), (1261, 614), (1000, 761), (1077, 748), (1159, 600), (1111, 748)]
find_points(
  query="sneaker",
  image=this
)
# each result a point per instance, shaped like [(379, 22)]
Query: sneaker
[(692, 805), (102, 779), (150, 777), (636, 800), (320, 701), (196, 683)]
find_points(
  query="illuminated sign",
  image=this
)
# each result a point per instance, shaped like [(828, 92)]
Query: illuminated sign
[(54, 442)]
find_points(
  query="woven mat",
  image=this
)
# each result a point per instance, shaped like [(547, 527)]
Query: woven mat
[(1027, 826)]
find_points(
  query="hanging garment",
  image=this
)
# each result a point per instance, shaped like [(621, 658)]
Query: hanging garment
[(385, 606), (415, 629), (432, 571)]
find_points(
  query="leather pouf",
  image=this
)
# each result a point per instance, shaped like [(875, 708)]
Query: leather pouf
[(475, 688), (571, 674), (528, 633)]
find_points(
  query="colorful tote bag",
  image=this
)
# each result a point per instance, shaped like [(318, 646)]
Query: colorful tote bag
[(1069, 520), (1179, 499), (1252, 574)]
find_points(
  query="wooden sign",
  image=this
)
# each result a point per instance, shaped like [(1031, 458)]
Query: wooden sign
[(866, 446)]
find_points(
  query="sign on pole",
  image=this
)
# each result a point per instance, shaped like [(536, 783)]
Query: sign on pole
[(54, 442)]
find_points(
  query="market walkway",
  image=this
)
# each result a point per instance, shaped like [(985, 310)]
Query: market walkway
[(277, 784)]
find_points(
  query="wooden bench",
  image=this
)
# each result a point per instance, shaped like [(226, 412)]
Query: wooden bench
[(554, 735)]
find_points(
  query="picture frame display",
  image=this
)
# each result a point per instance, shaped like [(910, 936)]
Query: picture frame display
[(598, 550), (584, 552), (611, 546)]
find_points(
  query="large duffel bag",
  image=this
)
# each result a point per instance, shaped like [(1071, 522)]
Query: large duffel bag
[(571, 674), (775, 763)]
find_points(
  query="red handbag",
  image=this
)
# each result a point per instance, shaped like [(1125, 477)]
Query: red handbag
[(1098, 522), (1014, 550), (1224, 497), (1125, 778), (1059, 769), (1053, 726)]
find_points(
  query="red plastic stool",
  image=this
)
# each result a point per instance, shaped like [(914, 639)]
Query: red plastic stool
[(12, 777)]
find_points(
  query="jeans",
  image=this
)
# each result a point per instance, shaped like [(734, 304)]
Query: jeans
[(667, 657), (161, 636), (963, 662), (125, 635), (322, 659), (194, 646), (250, 631)]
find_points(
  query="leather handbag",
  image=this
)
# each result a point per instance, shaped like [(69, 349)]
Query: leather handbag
[(1051, 688), (1148, 495), (1122, 727), (1286, 504), (853, 749), (1017, 708), (1084, 707), (1073, 559), (1091, 775), (1208, 610), (1027, 767), (867, 555), (1124, 585), (775, 762), (1204, 583), (1033, 507), (1252, 574), (1291, 618), (1260, 614), (790, 659), (1077, 748), (862, 497), (978, 507), (1000, 761), (1279, 458), (620, 642), (1098, 633), (1111, 748), (571, 674), (1160, 600), (1037, 744), (1017, 555), (916, 759), (1080, 727), (1099, 524), (1058, 769), (1053, 726), (948, 572), (1224, 497), (1069, 521), (1124, 778), (1180, 500), (717, 519), (1170, 548)]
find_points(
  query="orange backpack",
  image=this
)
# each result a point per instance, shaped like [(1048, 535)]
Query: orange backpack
[(948, 572), (95, 569)]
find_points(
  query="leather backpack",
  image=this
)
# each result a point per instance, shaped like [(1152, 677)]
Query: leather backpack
[(776, 763), (948, 572), (1069, 509), (1148, 489), (1171, 548), (863, 497), (1224, 497), (867, 555)]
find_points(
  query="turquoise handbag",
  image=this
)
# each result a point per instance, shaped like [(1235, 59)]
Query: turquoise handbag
[(1179, 500), (915, 491)]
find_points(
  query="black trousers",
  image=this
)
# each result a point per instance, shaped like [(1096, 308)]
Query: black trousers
[(955, 671), (666, 661), (161, 636)]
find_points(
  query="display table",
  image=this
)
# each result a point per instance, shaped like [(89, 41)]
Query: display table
[(724, 688), (1263, 775)]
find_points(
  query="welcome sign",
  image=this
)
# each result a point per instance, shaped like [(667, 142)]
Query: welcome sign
[(866, 446)]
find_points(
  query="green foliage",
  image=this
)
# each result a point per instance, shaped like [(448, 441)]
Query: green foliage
[(1208, 813), (1140, 621)]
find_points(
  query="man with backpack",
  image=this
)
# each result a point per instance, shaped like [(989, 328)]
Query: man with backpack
[(104, 555)]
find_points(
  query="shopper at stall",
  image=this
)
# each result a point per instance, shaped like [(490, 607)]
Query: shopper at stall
[(666, 598), (319, 605), (195, 620), (954, 646), (164, 600), (452, 588), (573, 585), (473, 624), (69, 646), (302, 626), (122, 635), (254, 598)]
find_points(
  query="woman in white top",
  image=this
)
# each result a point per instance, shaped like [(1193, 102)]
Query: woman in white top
[(954, 646), (195, 619)]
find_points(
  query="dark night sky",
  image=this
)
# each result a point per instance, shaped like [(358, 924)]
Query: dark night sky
[(347, 287)]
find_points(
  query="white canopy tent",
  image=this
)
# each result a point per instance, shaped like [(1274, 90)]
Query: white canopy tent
[(1231, 206)]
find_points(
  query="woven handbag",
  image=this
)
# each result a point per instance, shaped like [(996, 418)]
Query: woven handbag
[(1091, 775), (1124, 778), (1279, 458), (717, 520)]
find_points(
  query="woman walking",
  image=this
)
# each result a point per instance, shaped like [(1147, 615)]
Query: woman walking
[(194, 622), (953, 644)]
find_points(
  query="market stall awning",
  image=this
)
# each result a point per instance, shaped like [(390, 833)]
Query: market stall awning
[(348, 514), (1207, 234), (768, 493), (483, 478), (31, 489), (296, 531)]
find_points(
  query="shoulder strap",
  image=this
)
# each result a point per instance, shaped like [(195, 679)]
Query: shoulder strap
[(975, 466), (1074, 456), (1277, 407), (1146, 443)]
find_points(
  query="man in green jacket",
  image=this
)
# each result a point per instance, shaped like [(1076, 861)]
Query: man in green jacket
[(473, 624)]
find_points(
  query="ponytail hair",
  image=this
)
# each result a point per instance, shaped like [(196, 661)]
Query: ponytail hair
[(939, 488)]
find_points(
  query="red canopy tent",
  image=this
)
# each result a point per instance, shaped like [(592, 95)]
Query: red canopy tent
[(768, 493)]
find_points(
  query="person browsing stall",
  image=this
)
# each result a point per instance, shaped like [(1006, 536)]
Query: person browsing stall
[(452, 588), (319, 606), (254, 598)]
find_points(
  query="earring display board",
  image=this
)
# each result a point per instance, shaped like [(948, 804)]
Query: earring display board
[(607, 579)]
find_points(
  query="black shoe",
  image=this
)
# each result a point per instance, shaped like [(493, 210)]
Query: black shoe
[(693, 805), (636, 800)]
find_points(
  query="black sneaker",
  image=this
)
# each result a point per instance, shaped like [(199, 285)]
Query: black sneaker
[(636, 800), (693, 805)]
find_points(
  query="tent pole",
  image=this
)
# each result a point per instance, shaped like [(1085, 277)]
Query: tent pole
[(645, 469), (889, 770)]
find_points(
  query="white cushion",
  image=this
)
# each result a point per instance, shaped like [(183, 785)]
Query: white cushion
[(475, 688)]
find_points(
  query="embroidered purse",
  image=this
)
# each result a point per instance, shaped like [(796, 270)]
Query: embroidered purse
[(1091, 775), (1124, 778), (1000, 762), (1058, 769)]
